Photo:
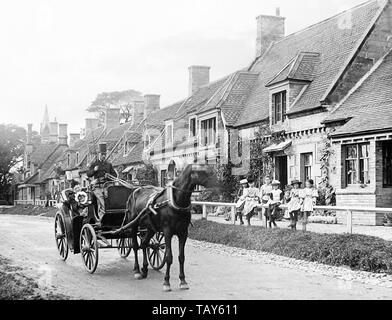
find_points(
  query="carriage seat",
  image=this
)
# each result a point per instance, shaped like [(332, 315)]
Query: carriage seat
[(115, 205)]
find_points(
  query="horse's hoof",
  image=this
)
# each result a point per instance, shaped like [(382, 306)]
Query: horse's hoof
[(138, 276), (184, 286), (166, 288)]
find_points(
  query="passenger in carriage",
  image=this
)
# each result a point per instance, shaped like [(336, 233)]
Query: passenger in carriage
[(98, 170)]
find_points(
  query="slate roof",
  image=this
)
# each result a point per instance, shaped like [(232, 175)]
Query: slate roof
[(334, 42), (368, 107), (135, 155), (42, 151)]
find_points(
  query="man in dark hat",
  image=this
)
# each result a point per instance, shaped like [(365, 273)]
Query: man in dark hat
[(98, 170)]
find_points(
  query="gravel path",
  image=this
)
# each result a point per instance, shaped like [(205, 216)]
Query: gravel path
[(213, 271)]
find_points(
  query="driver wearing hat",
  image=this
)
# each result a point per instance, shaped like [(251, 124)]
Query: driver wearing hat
[(98, 170)]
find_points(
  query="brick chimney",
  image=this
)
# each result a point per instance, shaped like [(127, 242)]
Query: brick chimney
[(73, 138), (269, 29), (198, 76), (112, 118), (29, 142), (53, 131), (90, 125), (63, 135), (138, 112), (151, 104)]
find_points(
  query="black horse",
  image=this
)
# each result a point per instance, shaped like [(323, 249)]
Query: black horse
[(170, 214)]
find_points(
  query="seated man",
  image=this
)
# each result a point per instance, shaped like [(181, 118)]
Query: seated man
[(98, 169)]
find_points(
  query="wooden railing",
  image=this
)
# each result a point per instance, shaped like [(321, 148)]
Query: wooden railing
[(349, 210), (36, 202)]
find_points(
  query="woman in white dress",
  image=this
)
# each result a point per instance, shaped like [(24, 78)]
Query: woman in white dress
[(241, 195), (294, 203), (251, 200), (308, 200)]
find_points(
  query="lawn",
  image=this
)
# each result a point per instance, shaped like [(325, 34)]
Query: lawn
[(359, 252)]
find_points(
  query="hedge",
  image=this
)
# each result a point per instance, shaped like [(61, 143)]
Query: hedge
[(359, 252)]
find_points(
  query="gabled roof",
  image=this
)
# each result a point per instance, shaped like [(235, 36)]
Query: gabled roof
[(368, 107), (42, 151), (135, 155), (336, 45)]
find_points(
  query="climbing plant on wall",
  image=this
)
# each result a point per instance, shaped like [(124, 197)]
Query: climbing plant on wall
[(261, 163)]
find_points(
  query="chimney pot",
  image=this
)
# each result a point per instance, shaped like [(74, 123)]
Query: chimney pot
[(269, 29), (151, 104), (73, 138), (53, 131), (278, 12), (63, 136), (29, 133), (112, 118), (90, 125), (198, 76)]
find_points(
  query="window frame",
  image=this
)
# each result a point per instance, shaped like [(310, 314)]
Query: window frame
[(209, 132), (194, 120), (282, 110), (359, 161), (169, 125), (306, 166), (385, 146)]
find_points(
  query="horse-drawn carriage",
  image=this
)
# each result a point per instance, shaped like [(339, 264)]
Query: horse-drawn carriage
[(78, 229)]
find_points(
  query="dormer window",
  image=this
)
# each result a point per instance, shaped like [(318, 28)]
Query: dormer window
[(126, 148), (77, 157), (68, 159), (146, 141), (169, 133), (278, 107), (192, 127)]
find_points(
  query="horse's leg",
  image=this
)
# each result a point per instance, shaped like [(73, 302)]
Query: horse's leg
[(135, 246), (169, 260), (181, 259), (143, 246)]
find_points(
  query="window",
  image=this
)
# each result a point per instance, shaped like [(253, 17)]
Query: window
[(387, 164), (306, 166), (169, 133), (239, 146), (192, 127), (163, 178), (208, 132), (278, 107), (357, 164), (126, 148), (77, 157), (68, 159)]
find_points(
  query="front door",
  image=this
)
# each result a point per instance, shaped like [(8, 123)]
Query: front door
[(281, 170)]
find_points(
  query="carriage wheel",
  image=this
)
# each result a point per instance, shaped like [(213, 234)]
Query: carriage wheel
[(89, 247), (124, 247), (156, 251), (61, 236)]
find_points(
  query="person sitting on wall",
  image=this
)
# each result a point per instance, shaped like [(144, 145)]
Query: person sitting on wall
[(98, 170), (251, 200), (276, 198), (241, 200)]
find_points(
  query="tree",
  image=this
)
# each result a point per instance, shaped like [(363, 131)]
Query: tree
[(125, 100), (147, 174), (12, 139), (227, 181)]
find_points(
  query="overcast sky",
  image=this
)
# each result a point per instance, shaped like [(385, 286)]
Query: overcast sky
[(63, 53)]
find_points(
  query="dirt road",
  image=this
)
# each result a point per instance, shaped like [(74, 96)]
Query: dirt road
[(29, 242)]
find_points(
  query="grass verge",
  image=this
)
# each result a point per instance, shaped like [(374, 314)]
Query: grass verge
[(14, 285), (359, 252)]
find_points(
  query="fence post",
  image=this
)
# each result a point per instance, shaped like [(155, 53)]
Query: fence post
[(233, 211), (349, 221), (204, 212)]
